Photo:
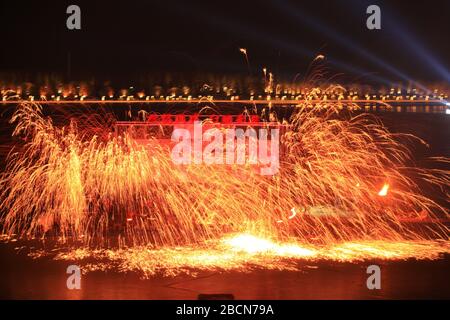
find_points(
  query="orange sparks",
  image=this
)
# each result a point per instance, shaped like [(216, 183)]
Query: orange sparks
[(81, 182), (384, 191)]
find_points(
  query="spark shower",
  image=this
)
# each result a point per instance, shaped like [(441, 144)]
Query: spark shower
[(345, 191)]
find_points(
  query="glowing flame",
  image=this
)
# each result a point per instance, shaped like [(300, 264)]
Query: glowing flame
[(384, 191), (255, 245)]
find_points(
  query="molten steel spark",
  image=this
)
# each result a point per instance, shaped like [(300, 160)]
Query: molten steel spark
[(319, 57), (104, 190), (294, 213)]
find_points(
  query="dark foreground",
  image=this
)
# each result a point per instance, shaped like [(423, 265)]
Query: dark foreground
[(25, 278)]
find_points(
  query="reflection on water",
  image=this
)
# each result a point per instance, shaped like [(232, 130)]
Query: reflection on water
[(24, 278)]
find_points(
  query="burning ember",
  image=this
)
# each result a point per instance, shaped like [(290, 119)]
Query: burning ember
[(137, 210), (384, 191), (243, 252)]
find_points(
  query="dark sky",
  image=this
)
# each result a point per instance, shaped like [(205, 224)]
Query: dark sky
[(125, 38)]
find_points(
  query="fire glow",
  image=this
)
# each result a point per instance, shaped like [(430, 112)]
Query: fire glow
[(384, 191), (226, 146), (324, 203)]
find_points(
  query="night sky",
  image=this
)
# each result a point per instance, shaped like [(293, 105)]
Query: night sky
[(120, 39)]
